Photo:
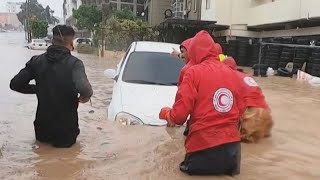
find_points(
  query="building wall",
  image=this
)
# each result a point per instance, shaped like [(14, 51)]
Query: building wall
[(208, 10), (10, 19), (194, 8), (275, 12), (228, 12), (156, 11)]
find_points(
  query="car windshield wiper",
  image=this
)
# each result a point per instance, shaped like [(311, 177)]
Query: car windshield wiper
[(152, 82)]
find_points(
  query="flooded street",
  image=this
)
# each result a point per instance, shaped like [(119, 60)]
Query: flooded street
[(107, 150)]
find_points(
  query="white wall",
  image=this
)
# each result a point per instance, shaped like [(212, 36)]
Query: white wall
[(208, 14), (230, 12), (284, 11), (310, 9), (69, 6), (223, 12), (275, 12)]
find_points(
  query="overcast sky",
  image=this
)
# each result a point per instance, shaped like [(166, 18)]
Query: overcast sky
[(56, 5)]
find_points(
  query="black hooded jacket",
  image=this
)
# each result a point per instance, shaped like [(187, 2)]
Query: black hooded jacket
[(60, 79)]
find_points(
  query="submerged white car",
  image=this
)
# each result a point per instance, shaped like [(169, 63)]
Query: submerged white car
[(145, 81)]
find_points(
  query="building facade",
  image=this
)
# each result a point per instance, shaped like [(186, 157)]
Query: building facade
[(266, 18), (9, 20), (68, 7), (13, 7), (136, 6), (244, 18)]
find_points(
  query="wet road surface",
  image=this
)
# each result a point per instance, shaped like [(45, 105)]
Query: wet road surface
[(107, 150)]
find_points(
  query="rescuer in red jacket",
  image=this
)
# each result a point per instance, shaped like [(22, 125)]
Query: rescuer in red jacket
[(256, 120), (209, 93), (184, 56)]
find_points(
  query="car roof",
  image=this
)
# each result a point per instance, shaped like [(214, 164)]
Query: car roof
[(150, 46)]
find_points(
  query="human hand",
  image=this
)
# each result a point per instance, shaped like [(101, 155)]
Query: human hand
[(175, 53), (164, 113), (83, 99), (170, 124)]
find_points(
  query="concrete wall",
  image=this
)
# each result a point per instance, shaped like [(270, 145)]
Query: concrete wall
[(156, 11), (230, 12), (279, 11), (255, 3), (208, 13), (310, 9), (283, 11)]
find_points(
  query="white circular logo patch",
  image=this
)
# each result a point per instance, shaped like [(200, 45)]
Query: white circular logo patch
[(250, 81), (223, 100)]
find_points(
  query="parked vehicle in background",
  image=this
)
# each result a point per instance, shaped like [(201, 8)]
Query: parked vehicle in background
[(38, 44), (145, 81), (78, 41)]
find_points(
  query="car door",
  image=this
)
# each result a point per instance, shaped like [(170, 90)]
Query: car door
[(115, 105)]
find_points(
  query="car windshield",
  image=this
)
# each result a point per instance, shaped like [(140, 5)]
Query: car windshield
[(152, 68), (39, 41)]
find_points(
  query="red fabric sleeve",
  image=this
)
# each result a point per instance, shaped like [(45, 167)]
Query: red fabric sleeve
[(185, 99)]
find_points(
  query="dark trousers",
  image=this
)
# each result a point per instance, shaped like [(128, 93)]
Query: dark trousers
[(57, 140), (221, 160)]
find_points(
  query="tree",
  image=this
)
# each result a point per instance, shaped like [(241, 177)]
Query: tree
[(39, 28), (36, 10), (88, 17)]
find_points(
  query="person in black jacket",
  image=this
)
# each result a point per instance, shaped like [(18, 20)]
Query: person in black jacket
[(61, 83)]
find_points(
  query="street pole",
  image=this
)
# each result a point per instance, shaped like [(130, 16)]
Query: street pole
[(26, 28), (28, 17)]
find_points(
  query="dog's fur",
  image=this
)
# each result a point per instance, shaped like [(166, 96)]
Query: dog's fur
[(255, 124)]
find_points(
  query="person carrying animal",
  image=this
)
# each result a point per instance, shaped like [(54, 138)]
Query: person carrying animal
[(256, 121)]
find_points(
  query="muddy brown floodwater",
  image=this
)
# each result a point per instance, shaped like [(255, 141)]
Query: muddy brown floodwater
[(107, 150)]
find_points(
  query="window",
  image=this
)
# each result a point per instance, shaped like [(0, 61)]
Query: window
[(208, 4), (140, 1), (152, 68), (140, 10), (127, 6), (113, 6)]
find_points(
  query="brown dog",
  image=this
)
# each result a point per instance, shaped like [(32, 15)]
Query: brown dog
[(255, 124)]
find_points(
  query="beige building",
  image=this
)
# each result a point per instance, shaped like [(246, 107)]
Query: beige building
[(244, 18), (9, 19), (266, 18)]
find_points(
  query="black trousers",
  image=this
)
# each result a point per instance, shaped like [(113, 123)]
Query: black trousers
[(63, 140), (221, 160)]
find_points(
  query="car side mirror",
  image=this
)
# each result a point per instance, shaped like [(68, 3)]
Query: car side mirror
[(116, 78), (110, 73)]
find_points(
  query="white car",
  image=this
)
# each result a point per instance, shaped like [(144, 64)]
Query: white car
[(78, 41), (39, 44), (145, 81)]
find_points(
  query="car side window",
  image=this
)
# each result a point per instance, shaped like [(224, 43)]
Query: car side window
[(125, 56)]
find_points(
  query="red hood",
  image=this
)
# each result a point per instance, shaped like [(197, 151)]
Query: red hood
[(229, 61), (202, 47), (218, 48), (186, 43)]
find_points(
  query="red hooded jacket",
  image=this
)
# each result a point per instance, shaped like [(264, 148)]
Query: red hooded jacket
[(186, 45), (252, 93), (208, 93)]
